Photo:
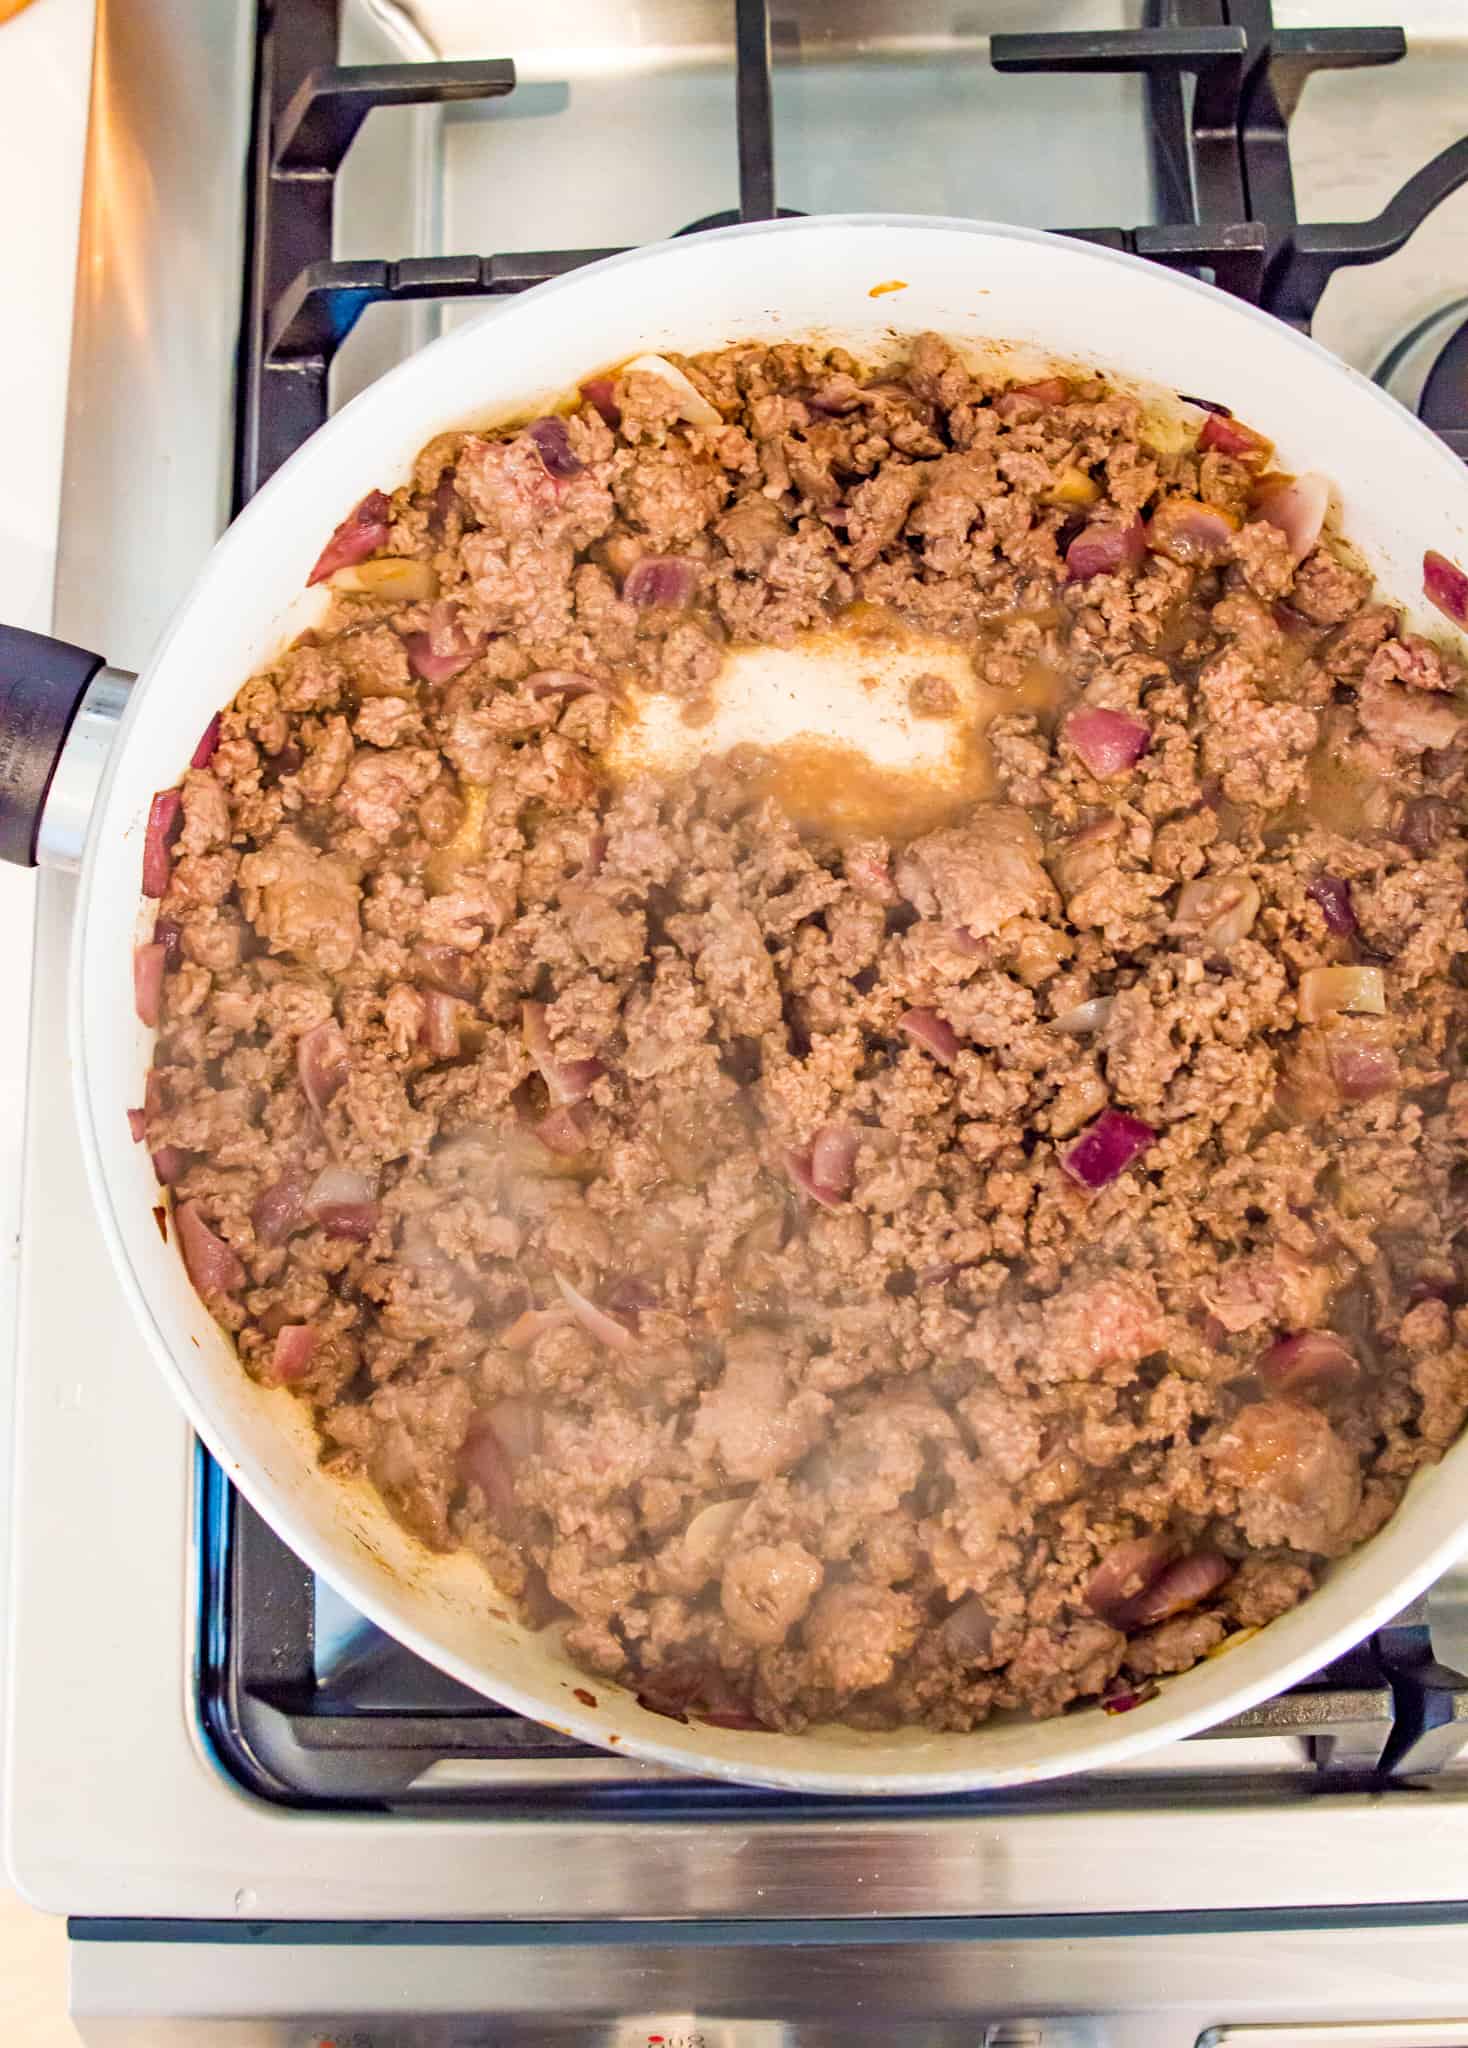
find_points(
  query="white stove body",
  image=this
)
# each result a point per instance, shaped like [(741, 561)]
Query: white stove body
[(115, 1810)]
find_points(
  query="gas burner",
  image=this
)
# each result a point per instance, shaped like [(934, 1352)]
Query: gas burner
[(1427, 371)]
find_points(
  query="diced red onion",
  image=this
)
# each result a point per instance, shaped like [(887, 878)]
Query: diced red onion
[(552, 441), (203, 754), (630, 1295), (1309, 1362), (566, 682), (441, 1019), (137, 1123), (1087, 1016), (1103, 548), (356, 1220), (566, 1081), (1298, 509), (344, 1203), (1225, 435), (833, 1158), (528, 1328), (561, 1131), (1445, 585), (211, 1265), (934, 1276), (295, 1346), (601, 392), (323, 1062), (282, 1207), (1206, 405), (1108, 742), (1191, 532), (927, 1028), (797, 1165), (1361, 1068), (170, 1164), (446, 968), (361, 533), (168, 934), (1106, 1148), (165, 815), (148, 962), (606, 1329), (1176, 1588), (1123, 1698), (661, 580), (485, 1463), (445, 650), (968, 1630), (445, 496), (1125, 1572), (1333, 894)]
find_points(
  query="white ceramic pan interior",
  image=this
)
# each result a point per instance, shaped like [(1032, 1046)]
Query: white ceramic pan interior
[(1037, 301)]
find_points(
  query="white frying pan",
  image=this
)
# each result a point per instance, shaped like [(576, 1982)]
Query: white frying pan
[(1040, 301)]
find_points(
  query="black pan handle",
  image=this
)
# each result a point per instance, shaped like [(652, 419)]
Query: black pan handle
[(42, 684)]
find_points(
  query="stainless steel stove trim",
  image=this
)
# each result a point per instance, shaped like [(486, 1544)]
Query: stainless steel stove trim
[(951, 1989), (62, 833)]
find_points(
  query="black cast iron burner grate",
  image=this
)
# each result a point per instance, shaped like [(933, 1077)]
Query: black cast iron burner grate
[(364, 1734)]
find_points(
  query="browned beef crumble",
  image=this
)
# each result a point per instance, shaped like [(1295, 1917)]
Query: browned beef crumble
[(955, 1432)]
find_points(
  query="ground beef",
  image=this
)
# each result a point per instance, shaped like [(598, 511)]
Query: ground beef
[(708, 1222)]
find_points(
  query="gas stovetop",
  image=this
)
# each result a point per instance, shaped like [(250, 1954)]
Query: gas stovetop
[(215, 1754), (303, 1700)]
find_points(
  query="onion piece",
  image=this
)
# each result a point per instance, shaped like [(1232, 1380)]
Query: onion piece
[(203, 754), (566, 682), (281, 1208), (833, 1158), (402, 579), (532, 1325), (361, 533), (692, 405), (343, 1202), (1103, 548), (148, 963), (797, 1165), (601, 392), (137, 1123), (211, 1265), (1206, 405), (168, 934), (1333, 894), (660, 580), (165, 815), (442, 1016), (445, 650), (1123, 1698), (551, 439), (1220, 909), (1108, 742), (1088, 1016), (1191, 532), (1225, 435), (1126, 1572), (1307, 1363), (484, 1462), (606, 1329), (706, 1539), (927, 1028), (968, 1631), (295, 1346), (323, 1062), (566, 1081), (170, 1164), (446, 968), (1360, 1067), (1176, 1588), (1445, 585), (1106, 1148), (1325, 990), (1298, 508), (561, 1131)]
